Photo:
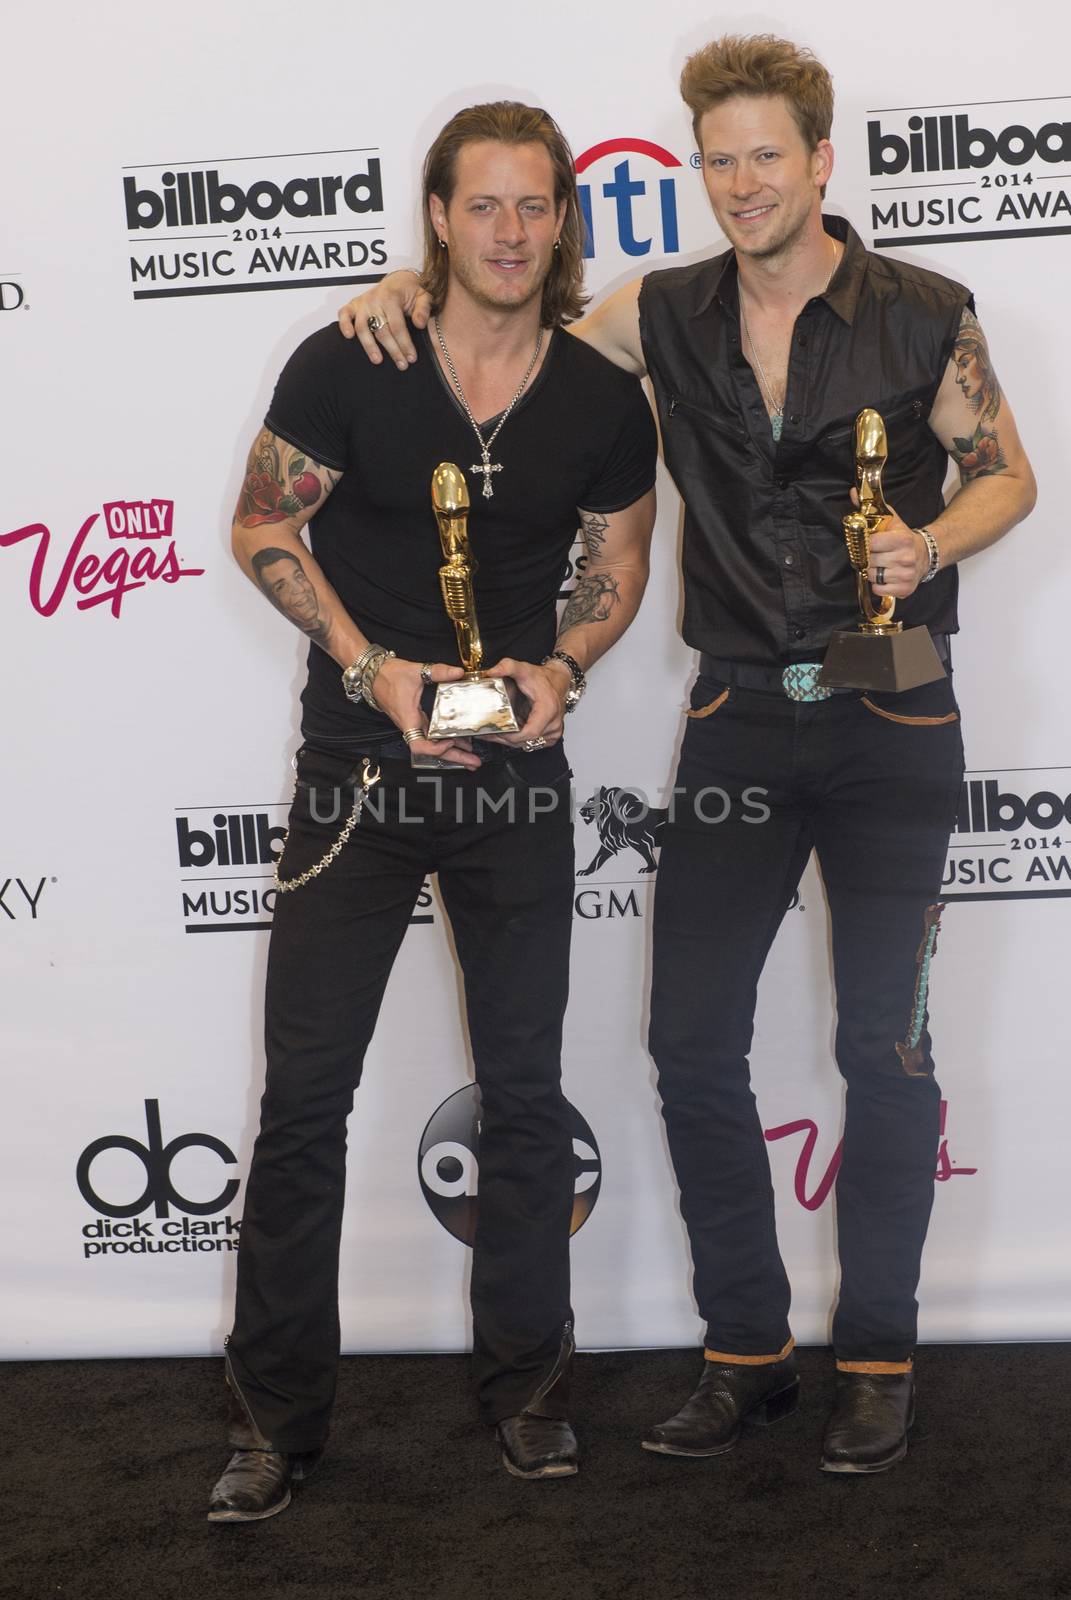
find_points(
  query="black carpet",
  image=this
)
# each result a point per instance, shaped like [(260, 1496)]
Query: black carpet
[(108, 1466)]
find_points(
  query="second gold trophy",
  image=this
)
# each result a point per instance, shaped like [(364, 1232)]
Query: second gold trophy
[(879, 652), (477, 703)]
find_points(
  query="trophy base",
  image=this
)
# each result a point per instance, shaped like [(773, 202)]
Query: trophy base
[(892, 661), (473, 706)]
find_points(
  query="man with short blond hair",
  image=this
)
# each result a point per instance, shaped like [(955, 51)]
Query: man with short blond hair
[(761, 358)]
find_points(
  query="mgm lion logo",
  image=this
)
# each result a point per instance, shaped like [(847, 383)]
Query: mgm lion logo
[(623, 819)]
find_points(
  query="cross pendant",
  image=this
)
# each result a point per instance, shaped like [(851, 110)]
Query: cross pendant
[(487, 470)]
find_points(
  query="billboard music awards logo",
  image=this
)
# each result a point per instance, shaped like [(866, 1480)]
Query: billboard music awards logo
[(628, 198), (235, 223), (946, 174), (227, 861), (448, 1163), (1012, 837), (141, 550), (121, 1177), (227, 858), (812, 1189)]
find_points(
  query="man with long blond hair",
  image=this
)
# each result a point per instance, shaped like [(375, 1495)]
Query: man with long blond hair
[(761, 358), (554, 433)]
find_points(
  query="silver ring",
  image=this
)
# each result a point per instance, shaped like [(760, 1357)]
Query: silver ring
[(425, 672), (879, 576), (535, 744), (412, 733), (375, 323)]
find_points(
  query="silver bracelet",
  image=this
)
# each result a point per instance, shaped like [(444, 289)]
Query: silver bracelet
[(368, 676), (934, 553), (357, 680)]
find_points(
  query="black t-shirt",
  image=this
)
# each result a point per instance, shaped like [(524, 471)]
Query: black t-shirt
[(581, 436)]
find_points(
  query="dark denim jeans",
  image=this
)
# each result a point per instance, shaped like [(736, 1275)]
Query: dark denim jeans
[(872, 783), (501, 842)]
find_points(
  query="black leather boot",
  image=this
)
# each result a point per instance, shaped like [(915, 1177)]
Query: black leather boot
[(257, 1479), (728, 1395), (539, 1442), (867, 1429)]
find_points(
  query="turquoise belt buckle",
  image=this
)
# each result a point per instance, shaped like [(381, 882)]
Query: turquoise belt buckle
[(800, 682)]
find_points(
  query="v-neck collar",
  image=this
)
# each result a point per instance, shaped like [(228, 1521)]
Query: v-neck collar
[(424, 336)]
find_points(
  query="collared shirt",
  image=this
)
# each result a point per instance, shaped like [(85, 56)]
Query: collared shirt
[(766, 570)]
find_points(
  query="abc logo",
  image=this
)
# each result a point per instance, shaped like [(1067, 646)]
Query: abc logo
[(156, 1158), (449, 1164)]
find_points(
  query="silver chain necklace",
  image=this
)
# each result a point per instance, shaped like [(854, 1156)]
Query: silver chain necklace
[(777, 419), (486, 467)]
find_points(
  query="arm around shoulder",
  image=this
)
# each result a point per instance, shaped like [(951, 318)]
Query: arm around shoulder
[(613, 329)]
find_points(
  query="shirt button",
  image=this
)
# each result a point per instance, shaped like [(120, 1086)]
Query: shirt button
[(799, 633), (795, 417), (790, 561), (801, 340)]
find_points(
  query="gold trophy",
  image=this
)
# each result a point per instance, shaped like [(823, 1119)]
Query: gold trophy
[(878, 653), (477, 703)]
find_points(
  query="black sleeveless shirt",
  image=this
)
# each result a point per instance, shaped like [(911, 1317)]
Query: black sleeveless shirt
[(766, 570)]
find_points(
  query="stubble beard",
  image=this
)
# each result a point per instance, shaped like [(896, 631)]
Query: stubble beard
[(461, 273), (781, 248)]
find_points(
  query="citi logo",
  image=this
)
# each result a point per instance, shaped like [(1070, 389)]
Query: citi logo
[(985, 807), (237, 839), (643, 208), (195, 199), (949, 143)]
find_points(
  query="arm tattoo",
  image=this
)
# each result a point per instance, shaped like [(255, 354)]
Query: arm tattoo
[(280, 482), (592, 600), (978, 455), (286, 584), (595, 530)]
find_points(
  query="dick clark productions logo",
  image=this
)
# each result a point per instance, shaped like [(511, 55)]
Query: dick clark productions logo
[(145, 1179), (449, 1164), (140, 550)]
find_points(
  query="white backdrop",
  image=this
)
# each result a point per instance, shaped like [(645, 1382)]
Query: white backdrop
[(133, 719)]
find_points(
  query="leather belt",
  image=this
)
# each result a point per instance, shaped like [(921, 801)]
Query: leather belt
[(772, 680), (394, 748)]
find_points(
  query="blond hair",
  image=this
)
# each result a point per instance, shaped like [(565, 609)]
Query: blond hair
[(760, 64)]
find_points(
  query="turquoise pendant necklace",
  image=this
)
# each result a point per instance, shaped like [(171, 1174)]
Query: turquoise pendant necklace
[(777, 412)]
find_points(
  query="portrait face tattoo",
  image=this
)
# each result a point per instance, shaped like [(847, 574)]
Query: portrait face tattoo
[(286, 585)]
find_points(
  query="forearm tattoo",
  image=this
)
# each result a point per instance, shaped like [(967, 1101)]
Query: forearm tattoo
[(280, 482), (286, 584), (592, 600), (978, 455), (595, 530)]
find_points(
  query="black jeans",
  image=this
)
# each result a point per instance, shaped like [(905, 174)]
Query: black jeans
[(876, 798), (501, 841)]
